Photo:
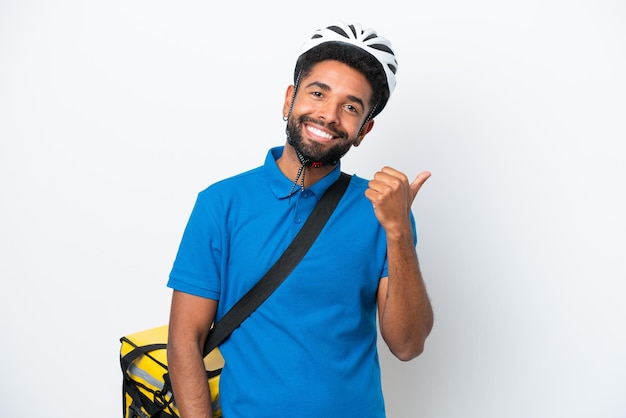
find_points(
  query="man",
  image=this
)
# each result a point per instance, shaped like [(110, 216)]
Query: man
[(310, 349)]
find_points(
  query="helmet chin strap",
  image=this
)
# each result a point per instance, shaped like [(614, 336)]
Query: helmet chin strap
[(301, 171), (304, 162)]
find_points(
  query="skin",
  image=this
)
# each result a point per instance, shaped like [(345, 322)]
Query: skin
[(335, 100)]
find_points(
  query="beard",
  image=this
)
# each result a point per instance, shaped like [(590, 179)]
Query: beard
[(313, 151)]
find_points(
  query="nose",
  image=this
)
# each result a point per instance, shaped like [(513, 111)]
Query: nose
[(328, 112)]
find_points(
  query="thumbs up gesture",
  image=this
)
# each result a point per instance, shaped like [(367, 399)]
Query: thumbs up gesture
[(392, 195)]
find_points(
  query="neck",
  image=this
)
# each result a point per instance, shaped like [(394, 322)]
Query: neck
[(289, 164)]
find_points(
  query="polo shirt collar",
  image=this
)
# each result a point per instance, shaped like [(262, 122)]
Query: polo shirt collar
[(281, 185)]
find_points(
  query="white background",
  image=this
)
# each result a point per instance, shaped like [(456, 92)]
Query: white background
[(113, 115)]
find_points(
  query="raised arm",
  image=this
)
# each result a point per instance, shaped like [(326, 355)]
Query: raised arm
[(190, 321), (405, 312)]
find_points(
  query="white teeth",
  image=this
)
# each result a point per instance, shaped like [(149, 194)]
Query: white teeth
[(319, 132)]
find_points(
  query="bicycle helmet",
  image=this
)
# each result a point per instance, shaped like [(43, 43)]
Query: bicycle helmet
[(378, 64)]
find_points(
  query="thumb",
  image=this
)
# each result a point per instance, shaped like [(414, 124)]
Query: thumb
[(419, 182)]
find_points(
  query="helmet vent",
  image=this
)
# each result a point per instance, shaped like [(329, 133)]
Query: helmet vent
[(340, 31)]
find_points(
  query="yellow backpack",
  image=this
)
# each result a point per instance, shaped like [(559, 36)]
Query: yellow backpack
[(147, 392)]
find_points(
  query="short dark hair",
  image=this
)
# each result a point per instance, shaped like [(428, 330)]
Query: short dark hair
[(352, 56)]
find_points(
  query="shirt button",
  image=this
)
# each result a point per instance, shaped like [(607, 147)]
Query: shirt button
[(297, 220)]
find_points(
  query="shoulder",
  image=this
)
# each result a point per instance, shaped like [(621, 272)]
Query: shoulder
[(232, 185), (358, 182), (219, 199), (354, 198), (357, 187)]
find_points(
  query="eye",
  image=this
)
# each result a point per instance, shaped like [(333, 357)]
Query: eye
[(351, 108)]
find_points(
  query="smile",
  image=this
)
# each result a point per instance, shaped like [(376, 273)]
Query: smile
[(319, 133)]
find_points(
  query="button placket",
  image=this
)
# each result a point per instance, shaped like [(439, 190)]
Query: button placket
[(304, 205)]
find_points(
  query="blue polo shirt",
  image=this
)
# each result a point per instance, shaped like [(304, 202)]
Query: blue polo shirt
[(310, 349)]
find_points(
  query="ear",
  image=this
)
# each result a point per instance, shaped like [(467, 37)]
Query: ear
[(366, 129), (288, 97)]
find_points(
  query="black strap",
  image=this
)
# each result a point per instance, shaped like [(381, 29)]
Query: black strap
[(281, 269), (137, 352)]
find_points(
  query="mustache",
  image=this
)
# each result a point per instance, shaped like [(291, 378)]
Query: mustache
[(321, 123)]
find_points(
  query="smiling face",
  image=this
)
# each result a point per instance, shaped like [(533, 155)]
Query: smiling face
[(329, 109)]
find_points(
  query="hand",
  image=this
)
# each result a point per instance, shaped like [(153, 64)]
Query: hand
[(392, 195)]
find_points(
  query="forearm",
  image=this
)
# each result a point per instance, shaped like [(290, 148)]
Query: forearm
[(189, 380), (407, 316)]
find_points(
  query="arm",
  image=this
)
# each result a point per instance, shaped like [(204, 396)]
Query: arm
[(405, 312), (190, 321)]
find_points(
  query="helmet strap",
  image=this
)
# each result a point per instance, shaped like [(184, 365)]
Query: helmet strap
[(301, 173), (368, 118), (304, 162)]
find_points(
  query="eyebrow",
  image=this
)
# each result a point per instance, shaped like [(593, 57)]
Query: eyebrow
[(326, 87)]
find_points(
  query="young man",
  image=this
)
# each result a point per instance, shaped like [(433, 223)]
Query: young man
[(310, 349)]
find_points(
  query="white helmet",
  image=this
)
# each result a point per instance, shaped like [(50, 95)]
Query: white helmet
[(365, 39)]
